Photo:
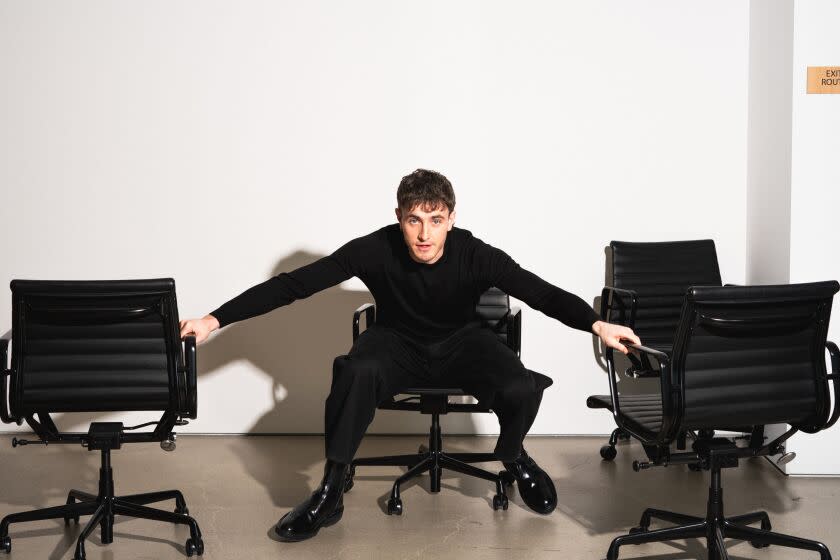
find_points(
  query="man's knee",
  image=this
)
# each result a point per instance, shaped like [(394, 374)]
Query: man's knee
[(518, 390), (347, 369)]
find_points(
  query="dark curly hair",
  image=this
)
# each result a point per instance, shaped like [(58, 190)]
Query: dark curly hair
[(429, 189)]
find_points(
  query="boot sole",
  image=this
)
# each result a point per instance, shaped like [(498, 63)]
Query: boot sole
[(333, 518)]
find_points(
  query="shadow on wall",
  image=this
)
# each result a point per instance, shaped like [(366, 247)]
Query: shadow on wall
[(295, 346)]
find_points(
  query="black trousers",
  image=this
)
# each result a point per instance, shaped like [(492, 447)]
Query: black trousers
[(382, 363)]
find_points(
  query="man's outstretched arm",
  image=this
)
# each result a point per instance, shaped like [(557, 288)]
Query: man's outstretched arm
[(553, 301), (276, 292)]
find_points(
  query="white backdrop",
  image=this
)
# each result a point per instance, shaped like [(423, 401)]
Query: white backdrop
[(815, 198), (222, 142)]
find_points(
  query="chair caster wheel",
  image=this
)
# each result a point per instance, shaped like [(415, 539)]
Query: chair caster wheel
[(6, 544), (765, 526), (182, 510), (608, 452), (194, 547), (695, 467), (423, 449), (395, 506), (348, 479), (500, 502)]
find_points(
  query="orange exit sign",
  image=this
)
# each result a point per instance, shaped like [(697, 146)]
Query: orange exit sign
[(823, 79)]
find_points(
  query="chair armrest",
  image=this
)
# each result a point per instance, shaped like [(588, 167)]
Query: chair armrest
[(514, 329), (608, 295), (834, 376), (638, 370), (642, 368), (369, 310), (191, 378), (662, 357), (5, 415), (646, 353)]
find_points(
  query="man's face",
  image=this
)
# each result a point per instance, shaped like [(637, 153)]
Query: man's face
[(425, 231)]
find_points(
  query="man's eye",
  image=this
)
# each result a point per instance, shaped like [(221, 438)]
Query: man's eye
[(437, 222)]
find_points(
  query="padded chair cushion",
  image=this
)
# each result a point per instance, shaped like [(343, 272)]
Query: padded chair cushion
[(541, 381), (492, 308), (660, 273), (423, 398), (644, 410), (433, 391), (94, 346)]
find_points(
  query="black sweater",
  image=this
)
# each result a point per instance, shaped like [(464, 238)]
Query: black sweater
[(427, 302)]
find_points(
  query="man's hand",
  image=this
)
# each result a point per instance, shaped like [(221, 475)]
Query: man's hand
[(201, 328), (611, 335)]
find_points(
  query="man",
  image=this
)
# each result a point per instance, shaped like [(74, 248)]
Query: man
[(426, 277)]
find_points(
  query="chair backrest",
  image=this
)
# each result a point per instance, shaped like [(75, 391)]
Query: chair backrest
[(493, 306), (660, 273), (95, 346), (749, 355)]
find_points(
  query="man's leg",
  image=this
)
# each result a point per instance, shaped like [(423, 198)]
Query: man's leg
[(516, 404), (378, 366), (477, 361)]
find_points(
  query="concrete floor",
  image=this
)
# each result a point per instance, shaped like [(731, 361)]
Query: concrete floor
[(237, 488)]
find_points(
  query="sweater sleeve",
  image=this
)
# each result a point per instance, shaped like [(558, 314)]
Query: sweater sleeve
[(288, 287), (504, 273)]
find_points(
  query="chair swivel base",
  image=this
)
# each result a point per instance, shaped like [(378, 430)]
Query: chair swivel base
[(104, 506), (608, 450), (433, 461), (714, 528), (715, 531)]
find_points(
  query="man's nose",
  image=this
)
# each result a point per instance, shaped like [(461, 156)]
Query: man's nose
[(424, 232)]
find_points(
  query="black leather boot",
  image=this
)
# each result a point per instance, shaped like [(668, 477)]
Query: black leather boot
[(323, 508), (535, 486)]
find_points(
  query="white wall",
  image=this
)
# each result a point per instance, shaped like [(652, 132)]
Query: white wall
[(814, 192), (221, 142), (769, 142), (769, 149)]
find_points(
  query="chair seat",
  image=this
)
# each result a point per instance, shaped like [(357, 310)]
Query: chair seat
[(644, 409), (431, 400), (433, 391)]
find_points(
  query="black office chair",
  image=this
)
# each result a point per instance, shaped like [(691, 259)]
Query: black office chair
[(646, 287), (495, 312), (741, 356), (99, 346)]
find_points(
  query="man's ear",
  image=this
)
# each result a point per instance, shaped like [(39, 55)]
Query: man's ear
[(399, 214), (451, 220)]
